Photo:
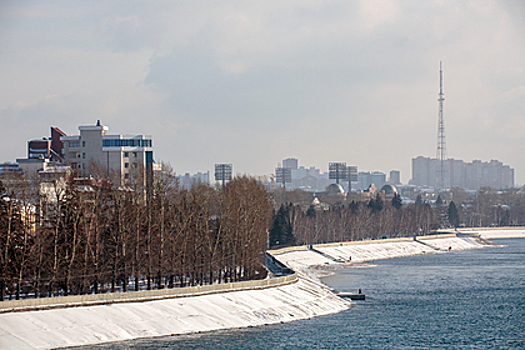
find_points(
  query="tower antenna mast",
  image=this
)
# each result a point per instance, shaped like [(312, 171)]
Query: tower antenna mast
[(441, 154)]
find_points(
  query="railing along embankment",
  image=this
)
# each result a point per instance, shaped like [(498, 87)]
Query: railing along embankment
[(142, 296)]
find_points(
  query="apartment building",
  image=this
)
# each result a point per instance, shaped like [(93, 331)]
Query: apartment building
[(376, 178), (461, 174), (395, 177)]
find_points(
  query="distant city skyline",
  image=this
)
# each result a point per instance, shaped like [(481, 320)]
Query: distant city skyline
[(254, 83), (470, 175)]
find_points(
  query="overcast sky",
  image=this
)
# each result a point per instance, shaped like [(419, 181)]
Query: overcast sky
[(254, 82)]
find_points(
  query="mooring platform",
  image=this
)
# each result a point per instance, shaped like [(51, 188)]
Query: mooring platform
[(351, 296)]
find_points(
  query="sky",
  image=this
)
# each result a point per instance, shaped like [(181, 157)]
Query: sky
[(254, 82)]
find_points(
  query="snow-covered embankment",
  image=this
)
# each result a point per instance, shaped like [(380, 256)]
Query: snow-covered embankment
[(305, 298), (45, 329), (301, 259), (498, 232)]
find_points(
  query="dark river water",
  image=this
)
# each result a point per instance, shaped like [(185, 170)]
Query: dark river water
[(471, 299)]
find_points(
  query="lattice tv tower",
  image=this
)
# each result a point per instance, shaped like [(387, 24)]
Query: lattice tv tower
[(442, 181)]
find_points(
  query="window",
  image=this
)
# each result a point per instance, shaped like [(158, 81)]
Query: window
[(126, 143), (83, 155), (126, 176), (135, 154), (126, 154), (83, 143), (126, 165), (74, 144)]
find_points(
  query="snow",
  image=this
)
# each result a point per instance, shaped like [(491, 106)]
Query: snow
[(348, 253), (300, 260), (456, 243), (377, 250), (374, 251), (306, 298), (47, 329), (495, 234)]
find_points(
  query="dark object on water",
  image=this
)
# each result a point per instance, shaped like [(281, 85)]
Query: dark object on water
[(352, 296)]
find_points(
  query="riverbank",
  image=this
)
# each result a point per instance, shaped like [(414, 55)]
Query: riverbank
[(306, 298), (309, 261), (496, 233), (76, 326)]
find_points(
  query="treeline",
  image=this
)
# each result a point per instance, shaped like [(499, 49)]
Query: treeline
[(489, 207), (351, 221), (71, 237), (99, 237)]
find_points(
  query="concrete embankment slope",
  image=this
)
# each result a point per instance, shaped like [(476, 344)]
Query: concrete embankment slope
[(301, 258), (497, 232), (94, 321), (63, 327)]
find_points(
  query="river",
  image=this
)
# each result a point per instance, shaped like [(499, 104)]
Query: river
[(471, 299)]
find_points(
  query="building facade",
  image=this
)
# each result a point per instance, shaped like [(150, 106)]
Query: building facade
[(310, 179), (366, 179), (47, 148), (395, 177), (42, 153), (96, 151), (187, 181), (470, 176), (424, 171), (292, 163)]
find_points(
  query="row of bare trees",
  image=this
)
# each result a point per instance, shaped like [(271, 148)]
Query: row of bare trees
[(100, 237), (70, 237), (351, 218), (352, 221), (490, 207)]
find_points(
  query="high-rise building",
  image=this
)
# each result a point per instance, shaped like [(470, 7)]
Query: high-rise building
[(442, 173), (424, 171), (308, 179), (367, 178), (395, 177), (470, 176), (124, 155), (292, 163)]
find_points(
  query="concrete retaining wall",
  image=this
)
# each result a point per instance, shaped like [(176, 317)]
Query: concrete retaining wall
[(502, 228), (377, 241), (336, 244), (288, 250), (140, 296), (447, 235)]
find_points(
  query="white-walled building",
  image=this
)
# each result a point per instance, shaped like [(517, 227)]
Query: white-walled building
[(125, 155), (187, 181)]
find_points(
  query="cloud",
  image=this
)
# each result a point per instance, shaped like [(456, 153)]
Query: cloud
[(254, 82)]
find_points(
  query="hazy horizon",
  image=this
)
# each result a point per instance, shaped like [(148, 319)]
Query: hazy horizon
[(254, 83)]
